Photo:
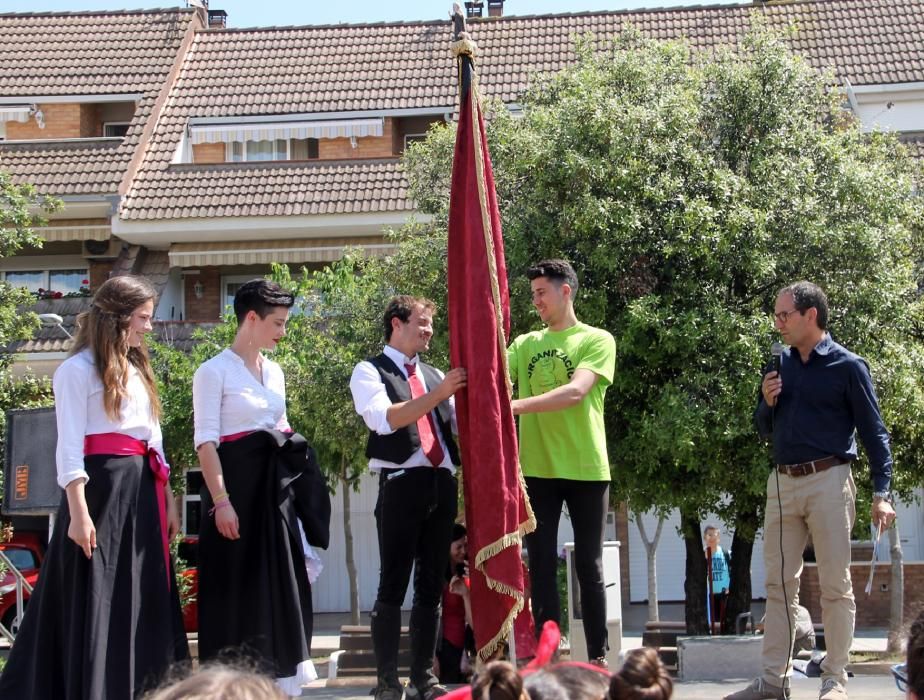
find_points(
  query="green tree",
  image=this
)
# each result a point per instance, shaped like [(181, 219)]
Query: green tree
[(21, 209), (687, 189), (335, 324)]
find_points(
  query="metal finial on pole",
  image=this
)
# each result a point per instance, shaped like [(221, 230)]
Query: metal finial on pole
[(462, 44), (458, 21)]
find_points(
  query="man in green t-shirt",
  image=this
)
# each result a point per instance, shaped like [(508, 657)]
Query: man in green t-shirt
[(561, 373)]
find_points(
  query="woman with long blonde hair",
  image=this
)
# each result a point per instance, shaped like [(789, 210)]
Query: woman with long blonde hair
[(104, 620)]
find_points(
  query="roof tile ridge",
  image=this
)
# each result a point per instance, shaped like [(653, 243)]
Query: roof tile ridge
[(287, 164), (75, 143), (99, 13), (159, 106), (335, 25)]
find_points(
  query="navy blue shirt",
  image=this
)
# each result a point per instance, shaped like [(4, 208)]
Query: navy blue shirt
[(824, 404)]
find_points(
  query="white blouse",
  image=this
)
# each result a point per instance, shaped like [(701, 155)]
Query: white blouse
[(228, 399), (372, 403), (79, 411)]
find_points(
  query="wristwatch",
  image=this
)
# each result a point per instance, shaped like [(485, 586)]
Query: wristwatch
[(884, 496)]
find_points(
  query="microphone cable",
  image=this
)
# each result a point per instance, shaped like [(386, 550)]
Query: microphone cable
[(787, 690)]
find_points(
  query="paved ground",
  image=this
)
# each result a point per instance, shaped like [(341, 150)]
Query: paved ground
[(861, 687)]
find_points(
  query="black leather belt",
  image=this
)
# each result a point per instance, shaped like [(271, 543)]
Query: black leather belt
[(813, 467)]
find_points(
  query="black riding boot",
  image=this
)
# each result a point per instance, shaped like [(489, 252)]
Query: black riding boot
[(386, 635), (423, 629)]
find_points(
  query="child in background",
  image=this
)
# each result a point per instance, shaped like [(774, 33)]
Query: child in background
[(717, 565)]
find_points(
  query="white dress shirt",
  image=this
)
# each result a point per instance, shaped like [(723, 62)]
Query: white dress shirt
[(228, 399), (372, 403), (79, 412)]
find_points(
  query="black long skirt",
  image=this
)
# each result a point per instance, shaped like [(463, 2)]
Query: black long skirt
[(109, 627), (254, 596)]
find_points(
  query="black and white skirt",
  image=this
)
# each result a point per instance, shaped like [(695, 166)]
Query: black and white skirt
[(110, 626), (254, 596)]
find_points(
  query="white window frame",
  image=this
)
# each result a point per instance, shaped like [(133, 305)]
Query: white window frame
[(233, 279), (105, 124), (413, 137), (2, 131), (229, 151), (237, 279), (190, 498), (45, 267)]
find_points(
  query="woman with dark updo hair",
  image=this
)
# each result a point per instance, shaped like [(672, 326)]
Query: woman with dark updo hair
[(254, 593), (104, 620)]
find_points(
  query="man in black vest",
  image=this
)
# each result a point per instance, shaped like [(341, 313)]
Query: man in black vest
[(412, 448)]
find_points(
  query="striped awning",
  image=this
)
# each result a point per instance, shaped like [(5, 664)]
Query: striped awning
[(274, 251), (15, 113), (268, 131), (73, 233)]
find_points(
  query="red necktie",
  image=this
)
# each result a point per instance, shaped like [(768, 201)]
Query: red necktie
[(426, 428)]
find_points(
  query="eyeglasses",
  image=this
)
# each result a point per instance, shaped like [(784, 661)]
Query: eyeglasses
[(900, 673), (784, 316)]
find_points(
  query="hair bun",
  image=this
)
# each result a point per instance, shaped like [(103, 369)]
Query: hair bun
[(498, 680), (643, 676)]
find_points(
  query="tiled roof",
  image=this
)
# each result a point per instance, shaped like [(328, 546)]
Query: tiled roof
[(914, 142), (88, 53), (85, 53), (260, 189), (52, 338), (236, 73), (67, 167), (179, 334), (406, 65), (153, 265)]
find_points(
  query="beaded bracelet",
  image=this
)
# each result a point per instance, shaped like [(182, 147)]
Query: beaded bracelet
[(224, 503)]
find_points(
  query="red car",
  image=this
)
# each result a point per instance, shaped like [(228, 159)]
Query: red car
[(25, 550)]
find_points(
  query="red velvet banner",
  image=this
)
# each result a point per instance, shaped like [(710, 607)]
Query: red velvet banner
[(497, 512)]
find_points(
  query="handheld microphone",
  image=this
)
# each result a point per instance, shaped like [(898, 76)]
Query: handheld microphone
[(776, 352)]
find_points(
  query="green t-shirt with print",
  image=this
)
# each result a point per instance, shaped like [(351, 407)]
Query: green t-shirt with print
[(571, 443)]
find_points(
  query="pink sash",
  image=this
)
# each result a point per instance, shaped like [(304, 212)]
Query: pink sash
[(236, 436), (119, 444)]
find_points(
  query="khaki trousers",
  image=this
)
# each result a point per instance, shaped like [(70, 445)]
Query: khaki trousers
[(822, 505)]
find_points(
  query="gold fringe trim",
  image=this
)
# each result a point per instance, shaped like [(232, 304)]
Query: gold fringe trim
[(465, 46), (530, 523)]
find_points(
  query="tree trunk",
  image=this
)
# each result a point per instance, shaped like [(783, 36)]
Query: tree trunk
[(695, 584), (348, 544), (740, 593), (896, 593), (651, 549)]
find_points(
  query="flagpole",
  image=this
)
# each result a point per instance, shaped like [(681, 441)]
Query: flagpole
[(476, 269)]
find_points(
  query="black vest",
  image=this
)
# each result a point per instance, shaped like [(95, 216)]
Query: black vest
[(401, 444)]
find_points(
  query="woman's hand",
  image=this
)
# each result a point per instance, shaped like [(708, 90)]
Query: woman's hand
[(457, 586), (226, 521), (83, 532)]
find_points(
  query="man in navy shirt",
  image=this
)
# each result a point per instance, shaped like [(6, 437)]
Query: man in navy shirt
[(813, 409)]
